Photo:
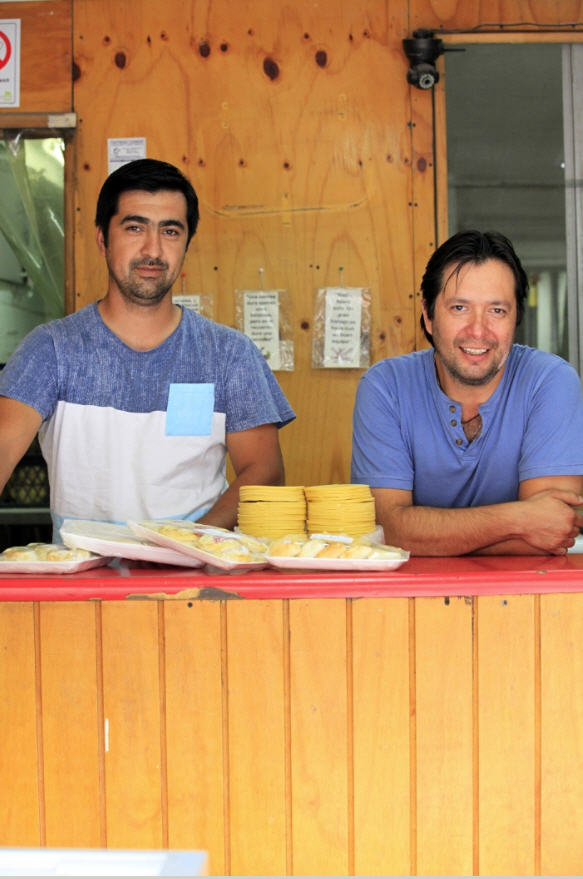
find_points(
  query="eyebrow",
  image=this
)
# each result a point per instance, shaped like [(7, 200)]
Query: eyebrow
[(137, 218), (465, 301), (491, 303)]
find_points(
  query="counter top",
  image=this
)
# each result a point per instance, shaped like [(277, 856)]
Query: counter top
[(467, 575)]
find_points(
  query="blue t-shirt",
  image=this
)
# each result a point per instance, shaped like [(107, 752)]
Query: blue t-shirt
[(407, 434), (140, 434)]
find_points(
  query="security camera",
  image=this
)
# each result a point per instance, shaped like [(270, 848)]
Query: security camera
[(422, 51), (424, 76)]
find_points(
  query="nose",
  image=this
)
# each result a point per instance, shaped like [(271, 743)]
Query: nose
[(152, 244), (477, 324)]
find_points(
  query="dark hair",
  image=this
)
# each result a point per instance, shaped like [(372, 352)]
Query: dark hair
[(150, 175), (470, 247)]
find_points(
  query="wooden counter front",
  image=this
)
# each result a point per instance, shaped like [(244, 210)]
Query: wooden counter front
[(433, 727)]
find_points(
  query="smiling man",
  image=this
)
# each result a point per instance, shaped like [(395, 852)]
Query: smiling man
[(137, 402), (474, 445)]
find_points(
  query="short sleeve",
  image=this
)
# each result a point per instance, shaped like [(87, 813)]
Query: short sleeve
[(31, 374), (381, 456), (252, 394), (553, 439)]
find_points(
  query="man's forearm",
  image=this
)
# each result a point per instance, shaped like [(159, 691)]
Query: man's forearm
[(544, 521), (223, 513), (510, 547), (432, 531)]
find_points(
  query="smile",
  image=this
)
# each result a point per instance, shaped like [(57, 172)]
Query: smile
[(474, 352)]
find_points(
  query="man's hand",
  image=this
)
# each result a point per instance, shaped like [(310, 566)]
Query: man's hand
[(552, 520)]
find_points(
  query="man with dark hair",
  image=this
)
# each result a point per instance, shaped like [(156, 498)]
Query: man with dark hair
[(136, 401), (474, 445), (149, 175)]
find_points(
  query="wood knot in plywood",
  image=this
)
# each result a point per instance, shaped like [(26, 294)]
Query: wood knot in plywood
[(270, 68)]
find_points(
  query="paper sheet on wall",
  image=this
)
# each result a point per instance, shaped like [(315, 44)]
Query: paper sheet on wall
[(342, 330), (189, 300), (121, 150), (261, 323)]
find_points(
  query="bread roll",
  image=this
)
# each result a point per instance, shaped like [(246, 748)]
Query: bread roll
[(385, 552), (311, 549), (332, 551), (64, 555), (285, 548), (44, 552), (19, 554), (357, 551)]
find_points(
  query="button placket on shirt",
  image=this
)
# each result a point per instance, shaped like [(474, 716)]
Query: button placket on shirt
[(454, 422)]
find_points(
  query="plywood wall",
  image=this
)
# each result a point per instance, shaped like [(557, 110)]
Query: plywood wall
[(313, 158), (292, 120)]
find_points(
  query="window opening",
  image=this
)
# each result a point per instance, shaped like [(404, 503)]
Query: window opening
[(32, 246), (32, 291), (506, 171)]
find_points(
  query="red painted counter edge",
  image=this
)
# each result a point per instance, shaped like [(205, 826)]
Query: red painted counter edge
[(419, 577)]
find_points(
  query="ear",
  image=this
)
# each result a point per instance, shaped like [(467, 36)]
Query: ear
[(426, 318), (100, 241)]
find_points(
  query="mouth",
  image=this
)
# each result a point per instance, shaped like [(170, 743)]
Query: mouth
[(150, 271), (474, 352)]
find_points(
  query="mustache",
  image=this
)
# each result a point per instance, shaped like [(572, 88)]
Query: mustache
[(487, 343), (149, 264)]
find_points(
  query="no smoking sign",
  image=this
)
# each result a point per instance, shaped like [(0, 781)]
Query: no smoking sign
[(5, 49), (9, 62)]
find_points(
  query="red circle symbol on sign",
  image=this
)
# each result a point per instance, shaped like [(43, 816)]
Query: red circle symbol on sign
[(5, 50)]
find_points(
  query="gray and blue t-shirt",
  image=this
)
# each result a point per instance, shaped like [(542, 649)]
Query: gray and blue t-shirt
[(140, 434)]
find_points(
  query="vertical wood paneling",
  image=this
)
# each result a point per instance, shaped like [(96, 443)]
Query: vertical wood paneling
[(319, 737), (19, 788), (70, 735), (381, 737), (194, 726), (131, 699), (506, 731), (257, 783), (443, 648), (561, 735), (292, 725)]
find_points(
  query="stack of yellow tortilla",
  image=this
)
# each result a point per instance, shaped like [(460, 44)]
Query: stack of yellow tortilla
[(340, 509), (272, 511)]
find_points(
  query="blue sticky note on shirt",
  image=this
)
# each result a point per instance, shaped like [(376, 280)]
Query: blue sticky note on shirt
[(190, 409)]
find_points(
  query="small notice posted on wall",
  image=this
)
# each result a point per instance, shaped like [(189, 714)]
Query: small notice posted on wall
[(261, 323), (10, 62), (188, 300), (341, 338), (121, 150), (342, 328), (202, 303), (265, 316)]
